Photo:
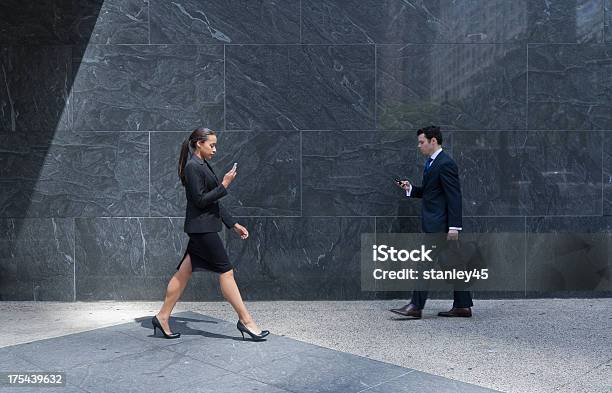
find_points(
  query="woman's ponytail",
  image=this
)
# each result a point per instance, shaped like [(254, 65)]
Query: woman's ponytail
[(199, 134), (183, 160)]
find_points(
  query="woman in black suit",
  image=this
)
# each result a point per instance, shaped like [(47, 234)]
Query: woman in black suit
[(203, 220)]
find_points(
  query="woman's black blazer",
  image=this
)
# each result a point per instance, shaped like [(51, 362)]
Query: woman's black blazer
[(204, 212)]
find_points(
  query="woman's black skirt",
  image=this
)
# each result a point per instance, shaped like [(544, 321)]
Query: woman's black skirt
[(207, 253)]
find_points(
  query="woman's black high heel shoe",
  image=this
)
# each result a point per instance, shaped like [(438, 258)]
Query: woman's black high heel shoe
[(255, 337), (157, 325)]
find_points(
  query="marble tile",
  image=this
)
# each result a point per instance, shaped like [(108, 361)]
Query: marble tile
[(300, 258), (225, 22), (449, 21), (109, 266), (529, 172), (74, 175), (569, 256), (565, 21), (569, 87), (286, 87), (399, 224), (133, 259), (70, 22), (35, 88), (352, 173), (149, 87), (506, 263), (167, 192), (476, 87), (118, 22), (268, 181), (37, 259), (203, 286), (569, 224), (165, 244), (108, 263), (493, 224), (396, 21), (53, 22), (607, 173), (608, 21)]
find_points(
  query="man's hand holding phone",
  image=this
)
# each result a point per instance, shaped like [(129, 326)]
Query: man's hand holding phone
[(403, 184)]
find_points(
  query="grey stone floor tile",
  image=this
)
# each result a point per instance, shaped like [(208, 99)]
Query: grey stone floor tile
[(63, 353), (10, 362), (419, 382), (215, 341), (151, 371), (325, 370), (191, 314), (232, 353), (59, 389), (210, 356), (191, 328), (229, 384)]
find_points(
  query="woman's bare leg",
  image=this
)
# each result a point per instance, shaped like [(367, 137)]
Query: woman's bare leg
[(230, 292), (176, 286)]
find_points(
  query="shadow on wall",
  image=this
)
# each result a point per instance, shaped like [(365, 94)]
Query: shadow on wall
[(41, 44)]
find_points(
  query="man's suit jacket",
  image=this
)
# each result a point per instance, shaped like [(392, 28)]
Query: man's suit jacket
[(441, 195), (204, 212)]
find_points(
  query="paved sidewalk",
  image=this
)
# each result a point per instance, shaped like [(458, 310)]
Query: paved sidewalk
[(210, 357), (539, 345)]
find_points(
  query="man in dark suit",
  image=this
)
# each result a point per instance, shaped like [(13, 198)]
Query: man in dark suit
[(440, 213)]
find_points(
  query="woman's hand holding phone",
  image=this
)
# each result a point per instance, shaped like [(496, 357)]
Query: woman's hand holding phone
[(230, 176)]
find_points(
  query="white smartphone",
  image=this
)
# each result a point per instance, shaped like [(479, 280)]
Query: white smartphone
[(235, 166)]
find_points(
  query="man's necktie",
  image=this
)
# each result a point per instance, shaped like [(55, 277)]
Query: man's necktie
[(428, 164)]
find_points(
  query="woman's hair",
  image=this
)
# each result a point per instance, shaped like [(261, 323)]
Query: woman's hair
[(199, 134)]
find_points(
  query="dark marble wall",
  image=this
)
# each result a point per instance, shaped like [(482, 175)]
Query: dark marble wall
[(318, 101)]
